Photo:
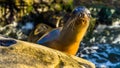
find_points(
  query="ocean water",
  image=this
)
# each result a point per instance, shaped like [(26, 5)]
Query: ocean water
[(103, 48), (102, 55)]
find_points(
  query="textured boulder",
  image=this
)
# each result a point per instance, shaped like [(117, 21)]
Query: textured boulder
[(22, 54)]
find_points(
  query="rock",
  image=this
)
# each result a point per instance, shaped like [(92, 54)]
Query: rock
[(114, 58), (104, 34), (58, 1), (11, 31), (28, 55), (47, 1), (7, 42), (53, 19), (38, 32), (101, 61)]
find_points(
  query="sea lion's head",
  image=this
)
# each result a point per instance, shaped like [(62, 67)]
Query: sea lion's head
[(77, 25), (81, 10), (80, 17)]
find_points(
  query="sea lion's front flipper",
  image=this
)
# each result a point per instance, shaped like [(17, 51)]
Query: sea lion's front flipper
[(50, 36)]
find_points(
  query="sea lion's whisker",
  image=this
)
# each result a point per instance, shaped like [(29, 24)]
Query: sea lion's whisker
[(71, 24), (80, 15)]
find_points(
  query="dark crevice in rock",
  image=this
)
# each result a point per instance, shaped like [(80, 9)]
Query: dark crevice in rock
[(7, 42)]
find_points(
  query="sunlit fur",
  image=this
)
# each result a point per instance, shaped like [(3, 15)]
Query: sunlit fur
[(72, 34)]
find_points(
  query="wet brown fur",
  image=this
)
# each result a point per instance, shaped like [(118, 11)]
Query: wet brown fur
[(71, 35)]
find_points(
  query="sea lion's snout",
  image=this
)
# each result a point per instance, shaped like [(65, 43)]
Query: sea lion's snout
[(81, 11)]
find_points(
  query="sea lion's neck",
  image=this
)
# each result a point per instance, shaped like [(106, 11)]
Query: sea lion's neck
[(70, 39)]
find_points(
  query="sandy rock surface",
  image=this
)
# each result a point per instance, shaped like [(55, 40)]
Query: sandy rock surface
[(22, 54)]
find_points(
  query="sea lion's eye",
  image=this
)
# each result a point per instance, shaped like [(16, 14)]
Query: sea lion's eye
[(89, 15), (80, 15)]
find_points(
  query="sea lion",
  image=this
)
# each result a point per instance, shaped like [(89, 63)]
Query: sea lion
[(72, 33)]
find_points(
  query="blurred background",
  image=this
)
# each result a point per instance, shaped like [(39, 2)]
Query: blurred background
[(28, 20)]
